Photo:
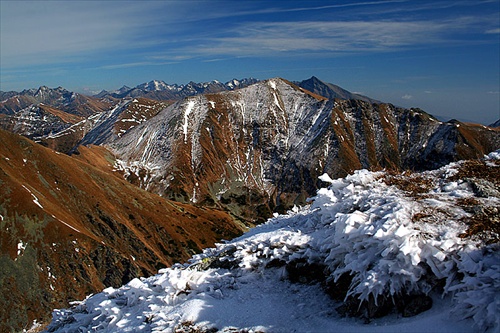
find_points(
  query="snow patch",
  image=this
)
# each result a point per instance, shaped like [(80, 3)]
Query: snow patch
[(188, 110), (21, 246), (35, 199)]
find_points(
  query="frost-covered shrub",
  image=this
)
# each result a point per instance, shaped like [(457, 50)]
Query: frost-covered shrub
[(478, 292)]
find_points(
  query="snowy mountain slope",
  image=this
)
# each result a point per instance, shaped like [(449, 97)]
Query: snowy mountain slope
[(384, 247), (261, 148), (38, 120), (209, 143), (103, 126)]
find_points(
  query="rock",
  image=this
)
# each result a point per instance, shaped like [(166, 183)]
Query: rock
[(413, 305), (300, 271), (483, 188)]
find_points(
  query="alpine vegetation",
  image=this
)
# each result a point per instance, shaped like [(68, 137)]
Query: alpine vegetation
[(373, 247)]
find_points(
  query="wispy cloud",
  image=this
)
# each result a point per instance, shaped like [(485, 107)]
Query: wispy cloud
[(137, 64), (407, 97), (493, 31), (282, 38)]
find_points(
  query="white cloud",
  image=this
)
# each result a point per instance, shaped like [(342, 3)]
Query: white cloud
[(331, 37), (493, 31), (407, 97)]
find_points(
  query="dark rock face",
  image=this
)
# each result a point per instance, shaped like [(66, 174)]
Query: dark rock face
[(408, 305), (412, 305)]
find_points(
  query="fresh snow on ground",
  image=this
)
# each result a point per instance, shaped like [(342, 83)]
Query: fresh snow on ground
[(359, 225)]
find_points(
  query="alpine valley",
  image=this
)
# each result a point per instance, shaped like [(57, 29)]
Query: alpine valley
[(98, 190)]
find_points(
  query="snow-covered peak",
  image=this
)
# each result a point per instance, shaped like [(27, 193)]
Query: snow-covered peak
[(154, 85), (393, 247)]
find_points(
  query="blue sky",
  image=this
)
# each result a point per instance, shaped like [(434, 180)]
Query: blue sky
[(441, 56)]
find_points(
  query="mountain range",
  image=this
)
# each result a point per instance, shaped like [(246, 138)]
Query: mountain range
[(159, 90), (143, 177)]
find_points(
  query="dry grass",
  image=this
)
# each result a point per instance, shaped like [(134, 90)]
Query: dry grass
[(414, 185), (479, 169), (484, 222)]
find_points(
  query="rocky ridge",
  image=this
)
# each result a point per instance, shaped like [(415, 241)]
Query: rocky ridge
[(380, 247), (265, 145), (59, 98)]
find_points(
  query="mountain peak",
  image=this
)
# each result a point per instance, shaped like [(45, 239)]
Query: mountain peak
[(331, 91)]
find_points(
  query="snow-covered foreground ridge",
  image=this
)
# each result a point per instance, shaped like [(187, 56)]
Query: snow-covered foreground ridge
[(391, 244)]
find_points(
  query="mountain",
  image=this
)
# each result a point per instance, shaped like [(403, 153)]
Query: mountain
[(331, 91), (496, 123), (262, 148), (71, 226), (38, 121), (102, 126), (159, 90), (374, 252), (154, 85), (59, 98)]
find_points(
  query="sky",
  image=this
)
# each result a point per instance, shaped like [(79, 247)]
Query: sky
[(442, 56)]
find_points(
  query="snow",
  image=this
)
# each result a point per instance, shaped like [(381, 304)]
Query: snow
[(188, 110), (66, 224), (21, 246), (357, 225), (35, 198)]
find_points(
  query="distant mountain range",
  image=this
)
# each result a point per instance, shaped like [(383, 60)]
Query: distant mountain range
[(59, 98), (159, 90), (331, 91), (158, 171)]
